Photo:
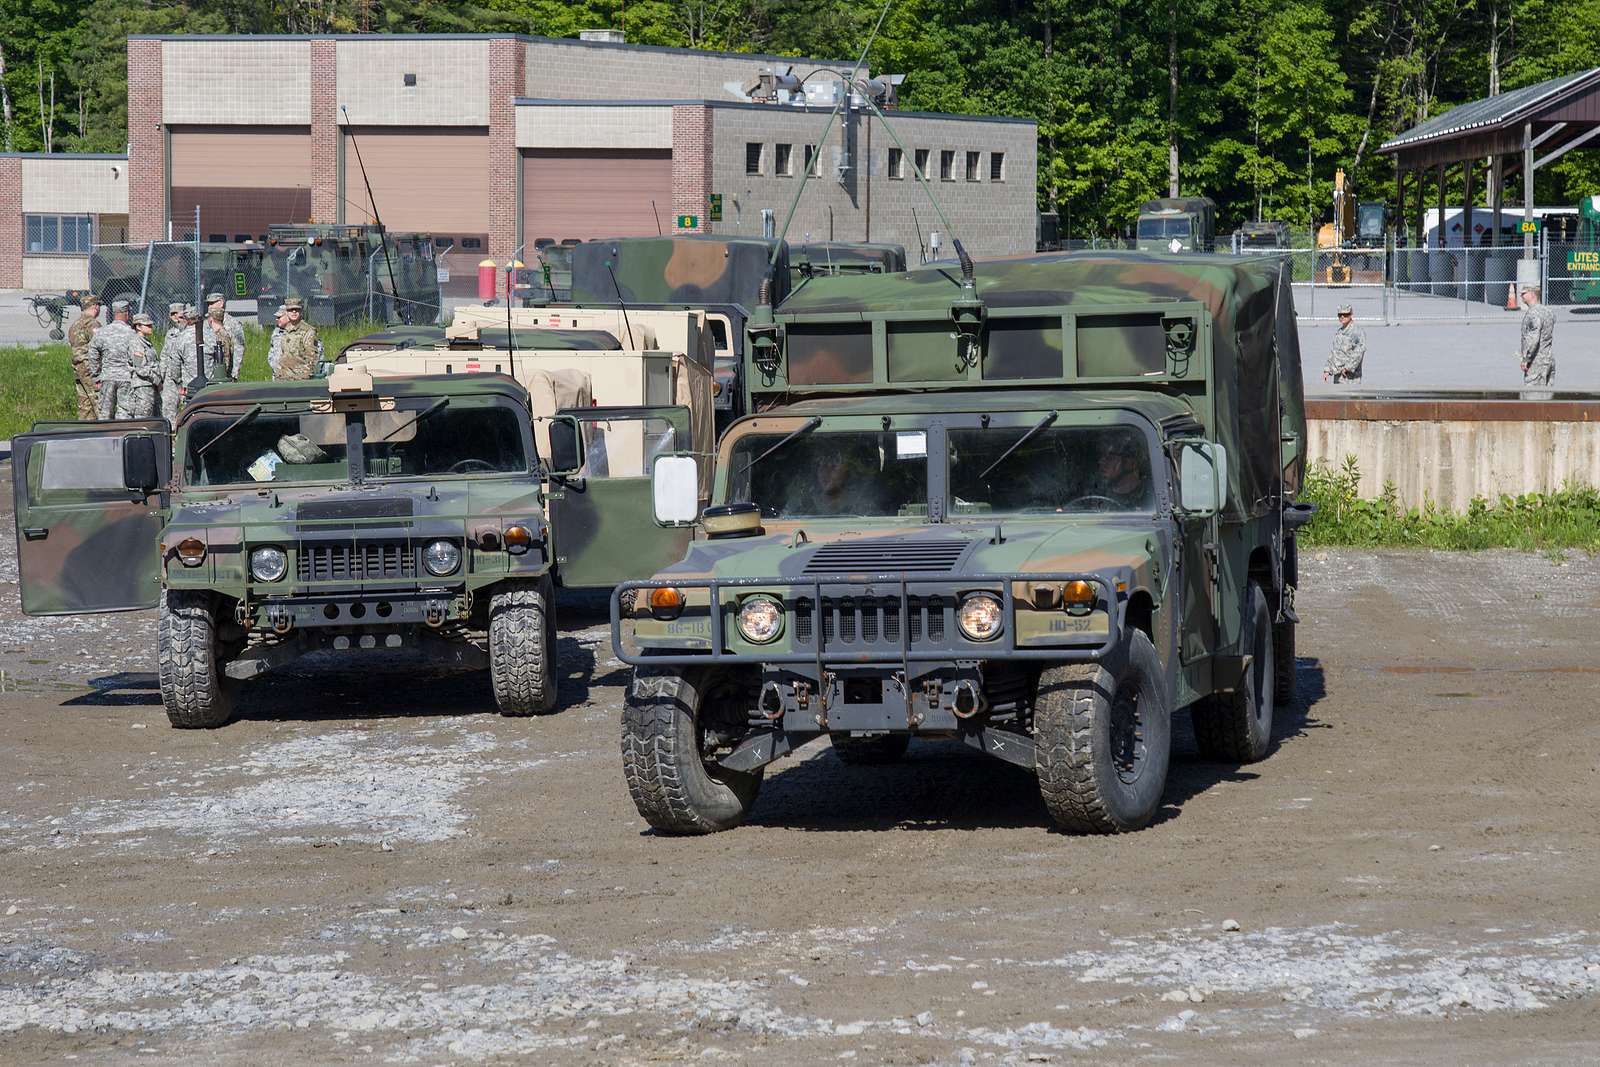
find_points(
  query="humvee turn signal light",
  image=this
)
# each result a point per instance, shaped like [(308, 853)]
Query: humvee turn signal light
[(665, 602), (518, 539), (191, 551)]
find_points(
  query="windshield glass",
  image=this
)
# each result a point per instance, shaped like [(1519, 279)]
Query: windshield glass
[(1061, 470), (1157, 228), (825, 474), (309, 446)]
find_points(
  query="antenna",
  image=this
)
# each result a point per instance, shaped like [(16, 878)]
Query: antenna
[(657, 214), (511, 336), (621, 303), (383, 236)]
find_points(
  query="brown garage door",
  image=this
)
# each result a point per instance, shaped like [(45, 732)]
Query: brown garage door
[(424, 180), (589, 193), (242, 178)]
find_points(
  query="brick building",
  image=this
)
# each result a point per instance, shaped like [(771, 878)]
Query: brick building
[(491, 142)]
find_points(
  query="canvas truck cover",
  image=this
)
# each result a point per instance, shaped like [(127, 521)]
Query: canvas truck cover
[(551, 390), (702, 271), (489, 337), (844, 257), (1070, 320)]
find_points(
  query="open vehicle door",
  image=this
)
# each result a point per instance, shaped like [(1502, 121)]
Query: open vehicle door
[(602, 513), (91, 500)]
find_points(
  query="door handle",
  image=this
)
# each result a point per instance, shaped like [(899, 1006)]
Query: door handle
[(35, 533)]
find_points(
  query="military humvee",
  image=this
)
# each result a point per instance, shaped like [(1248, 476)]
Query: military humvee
[(828, 258), (349, 273), (1177, 224), (1038, 506), (336, 514)]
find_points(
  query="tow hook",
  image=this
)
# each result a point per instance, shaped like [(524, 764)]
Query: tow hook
[(771, 702), (244, 615), (280, 619), (966, 700), (433, 613)]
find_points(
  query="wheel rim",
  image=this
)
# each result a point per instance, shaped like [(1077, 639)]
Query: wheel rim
[(1129, 749)]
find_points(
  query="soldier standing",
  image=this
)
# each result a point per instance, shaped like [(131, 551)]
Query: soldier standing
[(79, 334), (106, 358), (222, 356), (178, 365), (299, 348), (217, 305), (136, 398), (1538, 339), (1349, 349), (275, 345)]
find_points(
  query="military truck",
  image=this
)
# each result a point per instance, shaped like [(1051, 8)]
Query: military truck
[(828, 258), (1262, 237), (341, 515), (155, 275), (349, 273), (1037, 506), (1177, 224)]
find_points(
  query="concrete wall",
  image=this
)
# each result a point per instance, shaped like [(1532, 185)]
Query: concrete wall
[(452, 82), (991, 218), (593, 70), (68, 185), (265, 82), (561, 126), (1449, 461), (54, 273)]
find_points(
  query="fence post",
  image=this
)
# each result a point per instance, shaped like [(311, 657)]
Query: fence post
[(144, 283)]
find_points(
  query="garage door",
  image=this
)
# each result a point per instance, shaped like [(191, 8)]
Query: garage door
[(242, 178), (424, 180), (589, 193)]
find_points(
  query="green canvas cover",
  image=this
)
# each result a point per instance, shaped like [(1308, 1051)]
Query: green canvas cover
[(844, 257), (698, 270)]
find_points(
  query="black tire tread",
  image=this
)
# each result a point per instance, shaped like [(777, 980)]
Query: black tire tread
[(1222, 721), (655, 761), (194, 689), (520, 650)]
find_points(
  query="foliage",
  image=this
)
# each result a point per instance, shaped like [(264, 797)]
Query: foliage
[(1272, 94), (1566, 519)]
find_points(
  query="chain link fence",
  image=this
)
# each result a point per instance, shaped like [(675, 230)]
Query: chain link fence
[(1571, 273), (151, 276), (1406, 284)]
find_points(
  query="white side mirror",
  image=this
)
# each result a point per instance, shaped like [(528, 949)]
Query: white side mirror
[(675, 489), (1202, 477)]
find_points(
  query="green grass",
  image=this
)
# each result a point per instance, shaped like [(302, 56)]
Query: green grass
[(36, 381), (1535, 522)]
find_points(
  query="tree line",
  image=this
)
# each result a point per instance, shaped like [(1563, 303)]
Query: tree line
[(1251, 102)]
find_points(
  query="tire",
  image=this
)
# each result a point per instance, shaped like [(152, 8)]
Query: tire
[(869, 751), (521, 648), (671, 784), (1103, 733), (197, 695), (1236, 727), (1283, 666)]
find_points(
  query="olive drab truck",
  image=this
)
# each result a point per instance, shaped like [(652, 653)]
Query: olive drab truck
[(349, 273), (829, 258), (1177, 224), (339, 515), (632, 387), (1035, 505)]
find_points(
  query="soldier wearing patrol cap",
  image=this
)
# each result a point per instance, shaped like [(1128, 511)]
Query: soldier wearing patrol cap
[(179, 362), (217, 311), (299, 348), (280, 319), (1349, 349), (107, 358), (79, 334), (136, 396), (222, 358), (1537, 345)]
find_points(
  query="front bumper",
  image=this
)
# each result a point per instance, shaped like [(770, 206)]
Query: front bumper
[(366, 610)]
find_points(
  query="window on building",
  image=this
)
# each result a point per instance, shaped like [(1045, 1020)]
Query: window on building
[(897, 163), (813, 160), (947, 165), (997, 166), (974, 160), (921, 159), (472, 242), (752, 157), (783, 159), (58, 234)]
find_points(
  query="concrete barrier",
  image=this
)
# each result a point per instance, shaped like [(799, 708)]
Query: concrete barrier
[(1447, 450)]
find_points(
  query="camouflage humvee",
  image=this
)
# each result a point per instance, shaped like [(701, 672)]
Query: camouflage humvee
[(349, 273), (299, 517), (828, 258), (1037, 510), (1177, 224)]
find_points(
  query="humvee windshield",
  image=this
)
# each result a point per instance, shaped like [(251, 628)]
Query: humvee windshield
[(420, 437), (1060, 470), (1158, 228), (833, 474)]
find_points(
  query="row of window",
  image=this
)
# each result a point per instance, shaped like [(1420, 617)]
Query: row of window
[(755, 162), (63, 234)]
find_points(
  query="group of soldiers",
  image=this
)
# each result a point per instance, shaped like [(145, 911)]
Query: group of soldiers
[(119, 375)]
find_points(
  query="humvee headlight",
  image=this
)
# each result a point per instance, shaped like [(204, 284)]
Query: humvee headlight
[(441, 558), (760, 619), (979, 617), (268, 563), (518, 539), (665, 602), (192, 551)]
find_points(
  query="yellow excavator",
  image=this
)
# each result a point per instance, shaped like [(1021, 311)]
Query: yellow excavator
[(1334, 235)]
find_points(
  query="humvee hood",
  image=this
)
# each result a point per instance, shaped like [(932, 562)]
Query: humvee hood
[(387, 505)]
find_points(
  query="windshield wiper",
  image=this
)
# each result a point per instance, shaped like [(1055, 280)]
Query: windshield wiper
[(226, 430), (810, 424), (1036, 429), (437, 405)]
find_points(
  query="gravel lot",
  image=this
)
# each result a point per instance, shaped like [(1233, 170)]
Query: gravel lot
[(389, 872)]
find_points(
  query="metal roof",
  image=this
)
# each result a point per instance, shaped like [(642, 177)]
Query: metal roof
[(1494, 111)]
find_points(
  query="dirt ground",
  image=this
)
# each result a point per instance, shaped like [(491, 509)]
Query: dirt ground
[(374, 867)]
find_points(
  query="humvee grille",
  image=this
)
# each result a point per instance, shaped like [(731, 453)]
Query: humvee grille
[(886, 554), (342, 561), (869, 620)]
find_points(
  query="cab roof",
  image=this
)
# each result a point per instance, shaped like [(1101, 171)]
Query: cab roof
[(228, 394), (429, 338), (1156, 406)]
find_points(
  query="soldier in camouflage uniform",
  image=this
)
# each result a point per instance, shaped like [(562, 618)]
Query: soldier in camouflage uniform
[(224, 354), (136, 396), (1349, 350), (299, 348), (275, 344), (79, 334), (107, 358), (1538, 340), (217, 305)]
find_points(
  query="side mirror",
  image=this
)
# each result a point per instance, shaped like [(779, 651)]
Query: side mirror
[(1202, 478), (140, 472), (566, 445), (675, 489)]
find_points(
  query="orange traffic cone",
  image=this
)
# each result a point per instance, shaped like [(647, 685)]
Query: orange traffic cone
[(1511, 298)]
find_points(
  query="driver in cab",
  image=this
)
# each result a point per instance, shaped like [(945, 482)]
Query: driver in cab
[(841, 483), (1118, 472)]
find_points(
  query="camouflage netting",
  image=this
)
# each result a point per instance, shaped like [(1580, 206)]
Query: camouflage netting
[(684, 269)]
